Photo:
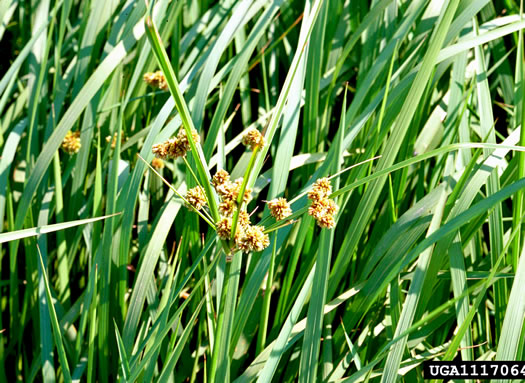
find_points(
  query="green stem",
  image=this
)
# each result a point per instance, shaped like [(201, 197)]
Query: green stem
[(92, 330), (220, 324), (263, 324), (182, 108), (177, 193), (191, 171), (63, 264)]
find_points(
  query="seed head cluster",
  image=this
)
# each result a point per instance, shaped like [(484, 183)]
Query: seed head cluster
[(321, 189), (253, 139), (220, 178), (224, 228), (71, 142), (157, 163), (253, 239), (175, 147), (228, 190), (113, 140), (322, 208), (248, 237), (279, 208), (156, 80), (196, 197)]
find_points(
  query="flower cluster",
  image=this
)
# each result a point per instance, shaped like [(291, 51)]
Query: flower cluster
[(253, 139), (113, 139), (175, 147), (224, 228), (253, 239), (196, 197), (322, 207), (229, 191), (156, 80), (247, 237), (71, 142), (157, 163), (279, 208)]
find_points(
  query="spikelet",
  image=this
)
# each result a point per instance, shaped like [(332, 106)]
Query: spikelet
[(244, 219), (175, 147), (196, 197), (156, 80), (157, 163), (227, 208), (71, 142), (279, 208), (224, 228), (253, 239), (183, 138), (320, 189), (253, 139), (322, 208), (220, 178)]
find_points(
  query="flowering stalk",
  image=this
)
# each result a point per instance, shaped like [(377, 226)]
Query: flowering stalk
[(187, 123), (198, 183), (202, 168), (191, 171), (177, 193), (263, 323), (280, 224)]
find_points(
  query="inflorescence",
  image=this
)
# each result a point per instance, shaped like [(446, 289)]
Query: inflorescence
[(113, 139), (247, 237), (322, 207), (253, 139), (196, 197), (175, 147), (71, 142), (156, 80), (157, 163), (279, 208)]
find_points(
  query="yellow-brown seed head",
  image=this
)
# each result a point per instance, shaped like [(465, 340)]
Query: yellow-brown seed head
[(279, 208), (320, 189), (226, 208), (253, 240), (156, 80), (224, 228), (239, 235), (220, 178), (323, 211), (160, 150), (196, 197), (157, 163), (175, 148), (183, 138), (330, 206), (253, 139), (326, 221), (316, 210), (244, 219), (237, 189), (227, 191), (71, 142)]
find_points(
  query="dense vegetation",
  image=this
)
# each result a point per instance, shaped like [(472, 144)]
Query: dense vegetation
[(411, 110)]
